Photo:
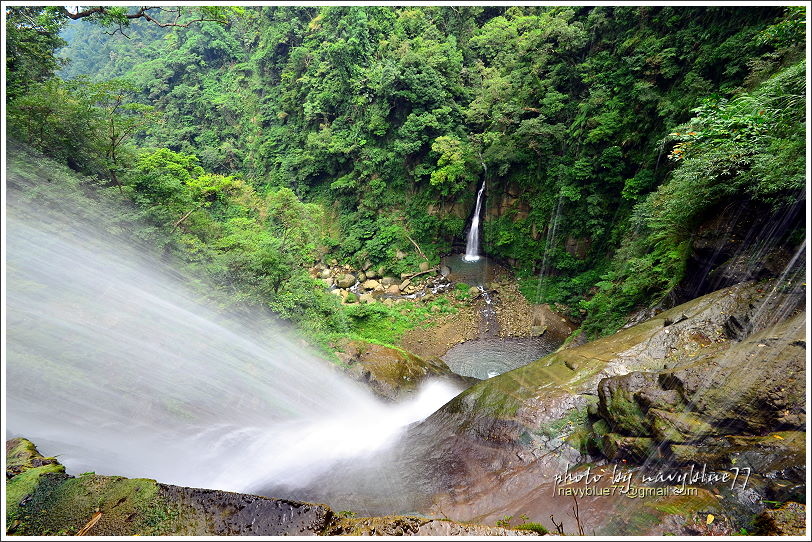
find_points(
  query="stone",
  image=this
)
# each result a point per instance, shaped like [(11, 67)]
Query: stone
[(371, 273), (328, 281), (362, 277), (370, 284), (346, 280), (338, 292), (393, 289), (445, 270), (388, 301), (405, 284), (381, 271), (386, 281), (789, 520), (391, 372), (367, 265), (424, 266), (333, 262), (367, 298), (325, 273), (617, 447), (404, 275), (617, 403), (474, 291), (677, 426)]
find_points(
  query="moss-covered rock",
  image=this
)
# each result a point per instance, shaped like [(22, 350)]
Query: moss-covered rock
[(392, 372), (677, 426), (618, 447)]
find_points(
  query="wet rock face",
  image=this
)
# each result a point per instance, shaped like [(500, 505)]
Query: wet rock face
[(412, 526), (240, 514), (672, 388), (755, 386), (45, 501), (741, 241)]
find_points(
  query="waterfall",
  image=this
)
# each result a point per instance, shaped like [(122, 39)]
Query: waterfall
[(114, 363), (472, 246)]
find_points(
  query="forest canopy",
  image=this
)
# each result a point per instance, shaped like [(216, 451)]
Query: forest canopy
[(256, 141)]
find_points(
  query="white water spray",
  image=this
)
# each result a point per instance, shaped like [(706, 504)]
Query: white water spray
[(113, 364), (472, 245)]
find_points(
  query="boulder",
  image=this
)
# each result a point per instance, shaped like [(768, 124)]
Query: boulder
[(325, 273), (393, 289), (387, 281), (366, 298), (346, 280), (677, 426), (371, 273), (370, 284), (362, 277), (390, 372)]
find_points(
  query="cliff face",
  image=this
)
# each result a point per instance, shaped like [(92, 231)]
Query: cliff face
[(715, 382)]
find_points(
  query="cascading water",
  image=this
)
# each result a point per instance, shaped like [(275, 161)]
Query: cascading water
[(472, 244), (115, 365)]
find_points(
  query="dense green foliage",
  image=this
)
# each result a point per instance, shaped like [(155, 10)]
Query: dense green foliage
[(266, 138)]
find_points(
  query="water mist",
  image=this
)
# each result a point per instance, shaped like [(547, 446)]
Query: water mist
[(116, 366)]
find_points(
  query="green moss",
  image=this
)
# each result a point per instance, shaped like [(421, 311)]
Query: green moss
[(535, 527), (625, 413), (23, 485)]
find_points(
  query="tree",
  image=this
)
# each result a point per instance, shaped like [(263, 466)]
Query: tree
[(32, 38)]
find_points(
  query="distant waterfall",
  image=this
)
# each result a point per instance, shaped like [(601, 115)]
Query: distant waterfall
[(472, 246)]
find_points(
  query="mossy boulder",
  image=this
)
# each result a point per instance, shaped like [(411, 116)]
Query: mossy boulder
[(346, 280), (392, 372)]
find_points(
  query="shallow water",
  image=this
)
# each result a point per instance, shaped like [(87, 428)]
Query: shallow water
[(473, 273), (486, 358)]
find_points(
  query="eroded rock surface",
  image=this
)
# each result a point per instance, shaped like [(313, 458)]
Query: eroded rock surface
[(496, 448)]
